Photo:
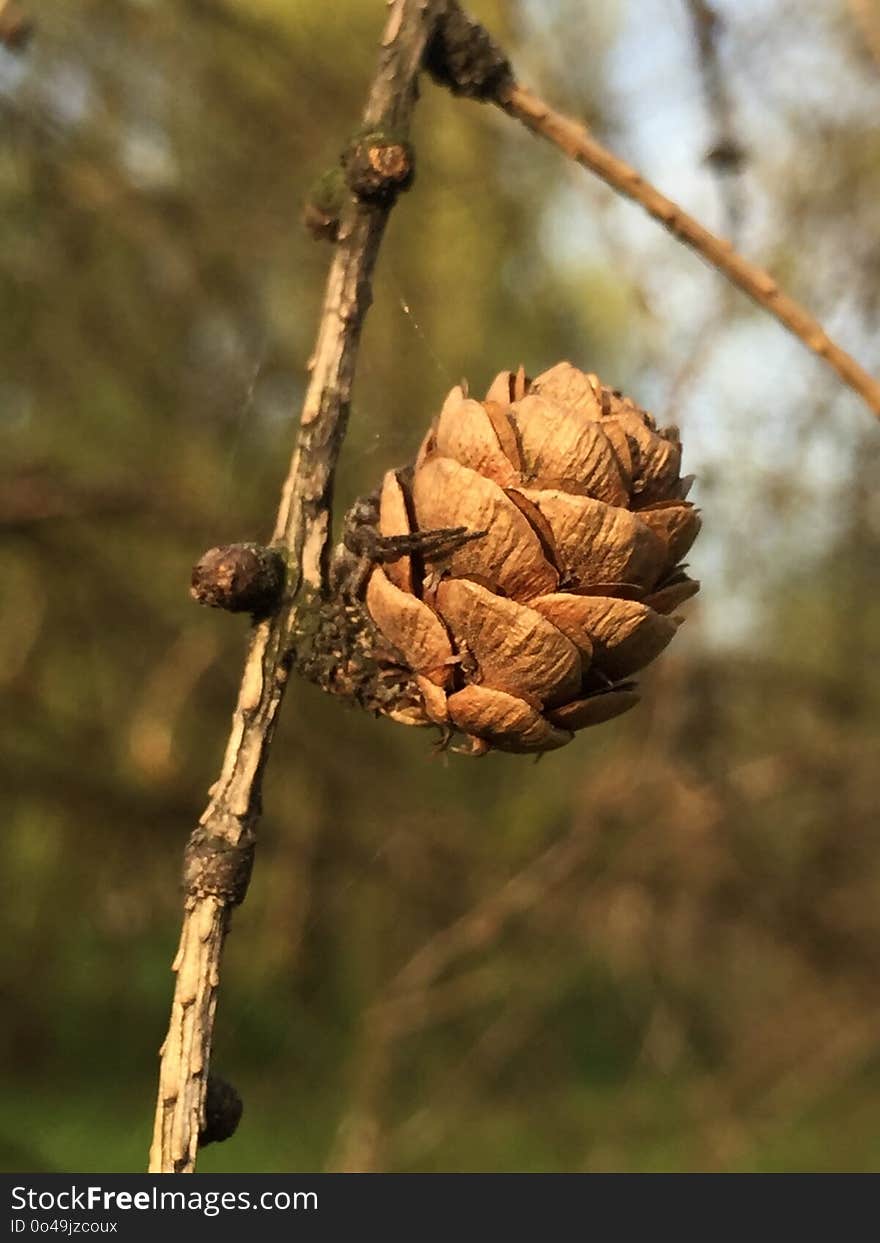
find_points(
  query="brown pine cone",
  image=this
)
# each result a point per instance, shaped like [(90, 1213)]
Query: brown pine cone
[(530, 632)]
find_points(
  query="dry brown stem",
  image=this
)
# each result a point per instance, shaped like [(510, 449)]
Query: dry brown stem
[(579, 144), (220, 851)]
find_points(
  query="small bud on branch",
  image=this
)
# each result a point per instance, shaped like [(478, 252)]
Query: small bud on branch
[(378, 166), (241, 578), (223, 1110), (214, 868), (464, 57)]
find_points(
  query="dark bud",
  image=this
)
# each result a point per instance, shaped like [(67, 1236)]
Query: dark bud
[(242, 578), (378, 167), (464, 57), (223, 1109), (213, 867)]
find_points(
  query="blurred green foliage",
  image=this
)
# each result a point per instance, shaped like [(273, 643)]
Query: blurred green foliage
[(698, 989)]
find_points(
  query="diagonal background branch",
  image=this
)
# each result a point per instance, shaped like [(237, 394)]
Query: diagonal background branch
[(411, 997)]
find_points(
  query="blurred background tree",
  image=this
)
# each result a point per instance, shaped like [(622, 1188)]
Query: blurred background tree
[(682, 973)]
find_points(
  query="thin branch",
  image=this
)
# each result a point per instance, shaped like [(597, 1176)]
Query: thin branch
[(220, 853), (579, 144)]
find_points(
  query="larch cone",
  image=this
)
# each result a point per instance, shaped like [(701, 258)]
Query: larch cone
[(521, 637)]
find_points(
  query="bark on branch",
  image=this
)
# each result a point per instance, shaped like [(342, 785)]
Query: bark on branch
[(220, 852)]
